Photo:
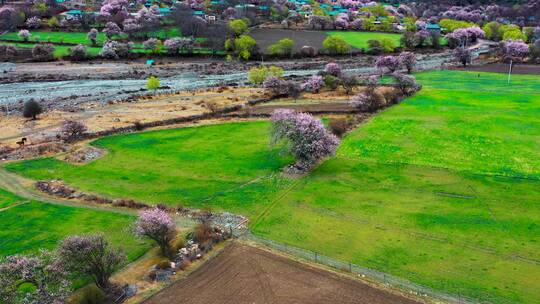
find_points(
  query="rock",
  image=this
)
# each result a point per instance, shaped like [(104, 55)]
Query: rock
[(130, 290)]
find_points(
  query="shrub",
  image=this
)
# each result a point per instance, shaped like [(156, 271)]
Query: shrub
[(174, 45), (111, 29), (332, 68), (78, 52), (314, 84), (92, 295), (408, 40), (308, 51), (179, 243), (114, 49), (32, 109), (24, 35), (390, 63), (257, 75), (331, 82), (336, 45), (8, 51), (238, 26), (452, 25), (202, 232), (275, 86), (493, 31), (294, 89), (374, 47), (463, 55), (153, 45), (53, 22), (349, 83), (371, 82), (244, 46), (365, 101), (406, 83), (152, 83), (43, 52), (164, 264), (212, 106), (388, 45), (283, 47), (338, 126), (92, 36), (33, 23), (512, 32), (72, 130), (408, 60)]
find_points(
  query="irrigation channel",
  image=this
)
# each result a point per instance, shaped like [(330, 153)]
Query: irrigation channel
[(92, 90)]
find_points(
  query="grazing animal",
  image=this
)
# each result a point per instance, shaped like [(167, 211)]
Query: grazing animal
[(22, 142)]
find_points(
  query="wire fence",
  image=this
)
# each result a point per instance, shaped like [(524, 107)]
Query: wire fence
[(366, 273)]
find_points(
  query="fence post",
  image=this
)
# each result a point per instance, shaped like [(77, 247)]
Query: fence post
[(350, 267), (315, 257)]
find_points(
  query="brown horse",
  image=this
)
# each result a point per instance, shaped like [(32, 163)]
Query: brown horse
[(22, 142)]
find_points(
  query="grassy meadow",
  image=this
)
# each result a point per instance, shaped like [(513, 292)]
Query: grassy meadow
[(441, 189), (190, 166), (26, 226), (360, 40)]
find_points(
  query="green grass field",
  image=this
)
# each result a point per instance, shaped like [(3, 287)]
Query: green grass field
[(81, 37), (56, 37), (360, 40), (7, 199), (29, 225), (59, 50), (442, 189), (182, 166)]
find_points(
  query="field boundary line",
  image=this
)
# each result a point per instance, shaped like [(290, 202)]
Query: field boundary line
[(532, 178), (365, 273), (273, 203), (14, 205)]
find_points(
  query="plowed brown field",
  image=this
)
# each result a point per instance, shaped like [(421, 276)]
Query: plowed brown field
[(242, 274)]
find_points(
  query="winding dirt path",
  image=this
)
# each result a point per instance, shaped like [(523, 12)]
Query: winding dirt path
[(22, 187)]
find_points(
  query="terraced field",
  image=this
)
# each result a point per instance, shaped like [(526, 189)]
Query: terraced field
[(442, 189)]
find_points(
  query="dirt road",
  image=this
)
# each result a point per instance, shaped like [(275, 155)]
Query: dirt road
[(242, 274)]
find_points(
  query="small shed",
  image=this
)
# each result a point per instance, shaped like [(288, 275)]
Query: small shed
[(72, 15), (433, 28)]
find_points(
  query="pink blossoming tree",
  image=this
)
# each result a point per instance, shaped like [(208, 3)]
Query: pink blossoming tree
[(42, 271), (91, 256), (305, 137), (157, 225)]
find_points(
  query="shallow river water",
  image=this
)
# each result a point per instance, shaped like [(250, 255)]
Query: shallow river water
[(106, 90)]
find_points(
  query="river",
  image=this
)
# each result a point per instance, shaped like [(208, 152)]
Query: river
[(91, 90)]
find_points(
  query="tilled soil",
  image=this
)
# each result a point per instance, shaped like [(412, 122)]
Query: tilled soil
[(242, 274)]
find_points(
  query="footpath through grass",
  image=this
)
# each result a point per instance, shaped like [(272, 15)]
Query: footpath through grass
[(442, 189)]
